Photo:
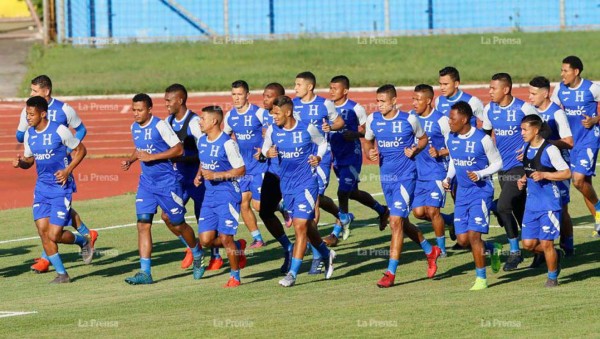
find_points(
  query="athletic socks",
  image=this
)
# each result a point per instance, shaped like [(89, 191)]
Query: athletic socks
[(514, 245), (197, 251), (315, 252), (553, 275), (214, 253), (426, 246), (285, 243), (295, 266), (80, 240), (44, 255), (145, 265), (235, 274), (378, 208), (256, 235), (337, 229), (83, 230), (480, 272), (323, 251), (441, 243), (597, 206), (183, 240), (392, 266), (56, 261)]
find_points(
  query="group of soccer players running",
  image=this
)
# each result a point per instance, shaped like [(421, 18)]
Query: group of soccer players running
[(278, 159)]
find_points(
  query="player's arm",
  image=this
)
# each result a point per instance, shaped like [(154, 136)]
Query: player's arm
[(336, 120), (562, 168), (554, 97), (22, 127), (445, 130), (361, 115), (74, 122), (27, 161), (564, 131), (235, 159), (318, 139), (193, 130), (267, 150), (420, 135), (485, 119), (79, 152), (588, 121), (169, 136), (494, 159), (477, 107), (369, 144)]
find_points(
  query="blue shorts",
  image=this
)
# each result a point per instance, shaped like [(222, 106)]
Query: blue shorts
[(252, 183), (563, 187), (398, 196), (221, 213), (583, 160), (473, 216), (323, 171), (57, 207), (301, 204), (190, 191), (543, 225), (170, 201), (348, 177), (429, 193)]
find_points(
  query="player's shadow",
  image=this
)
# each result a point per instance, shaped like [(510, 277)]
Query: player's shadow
[(11, 271)]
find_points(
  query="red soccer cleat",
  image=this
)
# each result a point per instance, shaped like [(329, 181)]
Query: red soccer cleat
[(188, 260), (242, 254), (214, 264), (93, 237), (232, 282), (432, 261), (41, 266), (387, 280)]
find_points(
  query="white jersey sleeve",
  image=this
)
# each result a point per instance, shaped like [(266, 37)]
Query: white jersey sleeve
[(332, 114), (318, 139), (226, 128), (554, 96), (260, 115), (416, 126), (267, 142), (27, 151), (68, 139), (195, 128), (444, 126), (73, 120), (23, 121), (487, 124), (436, 102), (233, 154), (529, 109), (562, 124), (167, 133), (595, 89), (361, 114), (369, 135), (476, 106), (493, 156), (556, 158)]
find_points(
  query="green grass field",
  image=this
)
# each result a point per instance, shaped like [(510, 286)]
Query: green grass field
[(98, 302), (400, 60)]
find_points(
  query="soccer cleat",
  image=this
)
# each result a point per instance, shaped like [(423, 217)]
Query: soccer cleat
[(597, 221), (480, 284), (198, 268), (513, 261), (242, 254), (551, 283), (495, 257), (41, 266), (140, 278), (383, 218), (287, 261), (87, 253), (257, 244), (188, 260), (331, 240), (443, 254), (432, 261), (288, 281), (316, 267), (232, 282), (92, 237), (61, 279), (346, 226), (538, 260), (329, 264), (214, 264), (387, 280)]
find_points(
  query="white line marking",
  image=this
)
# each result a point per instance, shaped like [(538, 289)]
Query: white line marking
[(4, 314), (125, 109)]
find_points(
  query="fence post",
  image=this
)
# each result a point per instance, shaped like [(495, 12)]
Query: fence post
[(46, 24), (563, 22), (430, 15), (61, 23), (226, 18), (386, 16), (271, 17)]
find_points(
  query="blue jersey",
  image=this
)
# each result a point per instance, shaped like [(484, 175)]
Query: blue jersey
[(506, 124), (248, 130), (473, 152), (58, 112), (444, 104), (393, 135), (294, 147), (436, 126), (220, 155), (156, 136), (544, 195), (578, 102), (347, 153), (315, 111), (50, 151), (273, 164), (189, 137)]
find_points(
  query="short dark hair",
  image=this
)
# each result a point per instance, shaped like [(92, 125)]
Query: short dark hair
[(283, 100), (451, 71), (308, 76), (38, 102), (178, 88), (277, 87), (540, 82), (241, 83), (424, 88), (388, 89), (341, 79), (503, 77), (144, 98), (533, 120), (43, 81), (574, 62), (463, 109), (213, 110)]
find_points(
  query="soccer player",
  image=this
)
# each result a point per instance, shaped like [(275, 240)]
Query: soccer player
[(544, 169), (47, 145), (63, 114), (185, 124), (270, 197), (319, 112), (293, 143), (449, 80), (561, 137), (347, 158), (159, 185), (432, 165), (221, 167), (395, 132), (473, 160), (579, 98), (503, 116), (245, 121)]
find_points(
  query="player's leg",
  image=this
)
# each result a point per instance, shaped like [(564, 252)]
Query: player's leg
[(511, 196), (145, 207), (300, 225), (548, 229), (255, 189), (48, 233), (583, 167), (396, 226)]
